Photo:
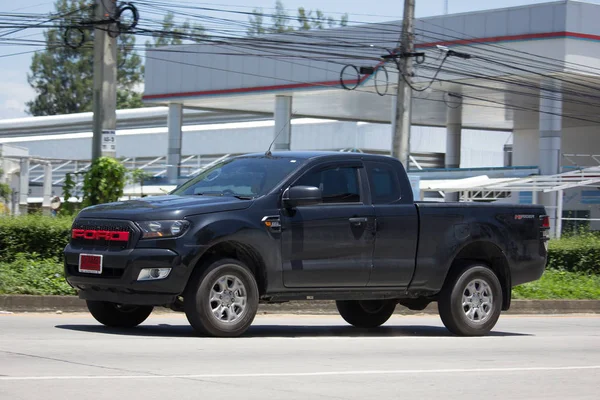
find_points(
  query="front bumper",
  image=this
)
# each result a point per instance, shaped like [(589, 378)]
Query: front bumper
[(118, 282)]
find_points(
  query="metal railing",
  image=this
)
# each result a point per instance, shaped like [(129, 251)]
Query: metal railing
[(154, 166), (582, 160)]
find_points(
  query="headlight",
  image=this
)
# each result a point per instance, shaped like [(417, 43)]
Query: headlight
[(162, 229)]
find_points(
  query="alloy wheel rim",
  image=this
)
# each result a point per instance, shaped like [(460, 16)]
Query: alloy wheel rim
[(478, 301), (228, 299)]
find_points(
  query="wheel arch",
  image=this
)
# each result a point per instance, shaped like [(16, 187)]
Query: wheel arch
[(236, 250), (489, 254)]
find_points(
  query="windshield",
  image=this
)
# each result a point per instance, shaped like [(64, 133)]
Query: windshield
[(242, 177)]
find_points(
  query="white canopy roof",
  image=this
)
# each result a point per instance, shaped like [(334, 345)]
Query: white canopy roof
[(537, 183)]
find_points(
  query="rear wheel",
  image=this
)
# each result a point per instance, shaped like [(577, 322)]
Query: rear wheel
[(366, 313), (471, 301), (118, 315), (223, 300)]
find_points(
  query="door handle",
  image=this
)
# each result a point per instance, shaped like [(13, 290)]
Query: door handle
[(358, 220)]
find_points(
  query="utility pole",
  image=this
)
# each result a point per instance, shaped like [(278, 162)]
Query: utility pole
[(402, 109), (105, 82)]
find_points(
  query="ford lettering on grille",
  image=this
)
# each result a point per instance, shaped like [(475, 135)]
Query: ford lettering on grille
[(90, 234)]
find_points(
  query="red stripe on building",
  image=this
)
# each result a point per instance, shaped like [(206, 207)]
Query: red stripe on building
[(251, 89), (459, 42)]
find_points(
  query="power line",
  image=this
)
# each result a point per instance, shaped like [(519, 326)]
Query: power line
[(280, 47), (286, 9), (471, 41), (313, 57), (498, 104), (52, 18)]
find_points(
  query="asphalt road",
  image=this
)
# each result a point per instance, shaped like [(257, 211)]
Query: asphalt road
[(70, 356)]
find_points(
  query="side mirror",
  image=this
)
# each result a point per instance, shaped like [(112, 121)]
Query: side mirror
[(301, 196)]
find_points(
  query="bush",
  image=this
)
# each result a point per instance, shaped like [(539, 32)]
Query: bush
[(555, 284), (575, 253), (35, 277), (37, 236), (103, 182)]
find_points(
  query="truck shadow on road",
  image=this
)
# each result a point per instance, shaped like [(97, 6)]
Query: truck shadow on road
[(283, 331)]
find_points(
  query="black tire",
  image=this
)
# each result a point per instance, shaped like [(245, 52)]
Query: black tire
[(198, 305), (118, 315), (484, 316), (366, 313)]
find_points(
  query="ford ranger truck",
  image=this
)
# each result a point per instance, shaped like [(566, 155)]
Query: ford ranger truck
[(285, 226)]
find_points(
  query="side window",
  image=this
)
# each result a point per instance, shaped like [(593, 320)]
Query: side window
[(338, 184), (385, 187)]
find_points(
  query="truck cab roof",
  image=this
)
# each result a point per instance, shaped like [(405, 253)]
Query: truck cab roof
[(305, 155)]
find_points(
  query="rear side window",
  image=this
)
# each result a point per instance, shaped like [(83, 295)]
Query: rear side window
[(385, 187)]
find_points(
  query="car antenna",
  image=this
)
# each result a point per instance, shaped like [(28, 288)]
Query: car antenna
[(268, 152)]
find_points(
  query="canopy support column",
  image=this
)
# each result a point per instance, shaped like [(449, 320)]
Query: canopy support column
[(174, 123), (550, 141), (283, 123), (453, 138)]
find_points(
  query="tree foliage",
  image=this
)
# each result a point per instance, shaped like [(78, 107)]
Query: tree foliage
[(280, 19), (62, 77), (68, 208), (281, 22), (256, 23), (171, 34), (138, 176), (4, 189), (103, 182)]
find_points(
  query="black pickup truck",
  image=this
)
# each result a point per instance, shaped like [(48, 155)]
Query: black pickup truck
[(286, 226)]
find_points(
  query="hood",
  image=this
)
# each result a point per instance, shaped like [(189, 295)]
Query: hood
[(164, 207)]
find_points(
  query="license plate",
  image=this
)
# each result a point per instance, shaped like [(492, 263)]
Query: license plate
[(90, 263)]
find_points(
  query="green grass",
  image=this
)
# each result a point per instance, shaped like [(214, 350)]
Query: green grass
[(25, 275), (557, 284)]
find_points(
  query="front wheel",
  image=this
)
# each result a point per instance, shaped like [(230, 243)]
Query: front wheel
[(118, 315), (366, 313), (223, 300), (470, 303)]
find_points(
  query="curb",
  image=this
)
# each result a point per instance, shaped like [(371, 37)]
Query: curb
[(27, 303)]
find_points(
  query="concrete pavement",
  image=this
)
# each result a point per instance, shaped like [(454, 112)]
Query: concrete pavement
[(70, 356)]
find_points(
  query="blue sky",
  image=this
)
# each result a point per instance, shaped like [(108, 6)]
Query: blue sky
[(15, 91)]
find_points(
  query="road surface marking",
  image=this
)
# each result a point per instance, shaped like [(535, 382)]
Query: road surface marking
[(302, 374)]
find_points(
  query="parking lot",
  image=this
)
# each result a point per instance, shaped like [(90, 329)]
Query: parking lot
[(68, 356)]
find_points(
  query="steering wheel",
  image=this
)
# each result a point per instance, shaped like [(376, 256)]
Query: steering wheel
[(228, 192)]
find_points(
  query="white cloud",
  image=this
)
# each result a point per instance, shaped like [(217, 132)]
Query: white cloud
[(13, 97), (13, 105)]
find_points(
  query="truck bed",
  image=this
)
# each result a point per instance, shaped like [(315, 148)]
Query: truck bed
[(476, 230)]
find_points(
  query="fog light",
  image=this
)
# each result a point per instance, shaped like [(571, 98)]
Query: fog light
[(150, 274)]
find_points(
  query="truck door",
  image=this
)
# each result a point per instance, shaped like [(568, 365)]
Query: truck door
[(330, 244), (396, 228)]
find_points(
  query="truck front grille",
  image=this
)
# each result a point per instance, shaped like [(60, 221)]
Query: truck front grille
[(103, 234)]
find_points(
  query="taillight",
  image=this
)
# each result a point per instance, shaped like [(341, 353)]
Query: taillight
[(545, 230), (545, 221)]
